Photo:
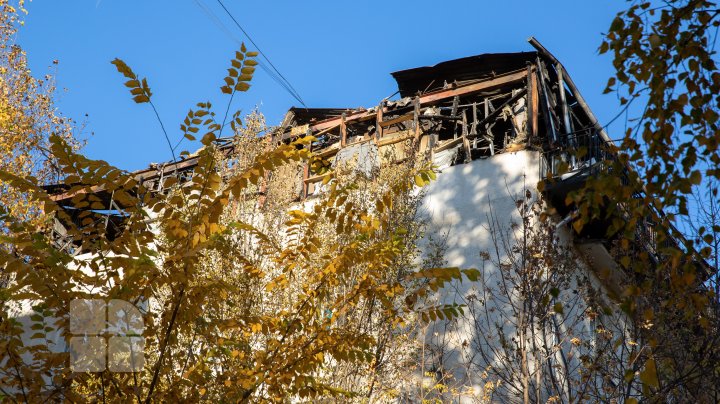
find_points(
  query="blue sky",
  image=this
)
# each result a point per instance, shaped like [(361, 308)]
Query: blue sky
[(335, 54)]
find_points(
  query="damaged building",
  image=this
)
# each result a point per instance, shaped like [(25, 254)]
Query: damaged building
[(494, 126), (455, 112)]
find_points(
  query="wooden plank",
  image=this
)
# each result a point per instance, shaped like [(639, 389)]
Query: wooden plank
[(447, 118), (328, 151), (416, 117), (473, 88), (313, 179), (425, 144), (546, 105), (306, 175), (454, 112), (473, 131), (533, 100), (322, 132), (68, 195), (378, 121), (466, 141), (363, 140), (396, 137), (299, 130), (397, 120), (448, 144), (563, 101)]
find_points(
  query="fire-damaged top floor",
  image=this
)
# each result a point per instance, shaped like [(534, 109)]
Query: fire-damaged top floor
[(453, 112)]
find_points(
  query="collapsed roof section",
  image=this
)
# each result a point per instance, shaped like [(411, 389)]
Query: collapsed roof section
[(453, 112)]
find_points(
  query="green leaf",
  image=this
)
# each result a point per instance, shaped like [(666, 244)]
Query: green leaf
[(472, 274)]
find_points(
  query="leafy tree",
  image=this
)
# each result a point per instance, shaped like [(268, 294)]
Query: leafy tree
[(244, 299), (538, 325), (664, 55), (27, 115)]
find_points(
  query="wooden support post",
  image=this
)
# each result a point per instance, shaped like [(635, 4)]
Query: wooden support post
[(546, 105), (343, 131), (489, 112), (571, 143), (453, 113), (416, 118), (533, 99), (465, 140), (306, 174), (378, 121), (473, 131), (563, 101)]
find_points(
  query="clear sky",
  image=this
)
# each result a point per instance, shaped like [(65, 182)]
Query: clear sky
[(335, 53)]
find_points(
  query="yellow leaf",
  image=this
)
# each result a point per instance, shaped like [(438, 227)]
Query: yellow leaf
[(649, 375)]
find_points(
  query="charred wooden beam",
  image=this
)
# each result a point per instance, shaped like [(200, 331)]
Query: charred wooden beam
[(573, 89), (431, 98), (563, 100), (532, 104), (473, 131), (397, 120), (546, 105), (416, 117), (492, 115), (378, 121), (466, 141), (447, 118)]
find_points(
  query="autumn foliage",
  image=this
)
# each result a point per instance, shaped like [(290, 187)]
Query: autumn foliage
[(242, 301)]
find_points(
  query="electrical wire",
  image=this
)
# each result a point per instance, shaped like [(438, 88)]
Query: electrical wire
[(283, 83), (282, 80)]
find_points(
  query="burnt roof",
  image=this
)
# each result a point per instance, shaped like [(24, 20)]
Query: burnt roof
[(480, 67), (302, 116)]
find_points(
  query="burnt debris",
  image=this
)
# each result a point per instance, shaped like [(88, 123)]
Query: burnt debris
[(451, 113)]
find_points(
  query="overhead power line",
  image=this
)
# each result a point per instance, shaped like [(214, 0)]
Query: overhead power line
[(218, 22), (270, 68), (272, 73)]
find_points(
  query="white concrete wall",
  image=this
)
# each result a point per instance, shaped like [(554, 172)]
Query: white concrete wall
[(464, 196), (469, 211), (461, 209)]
